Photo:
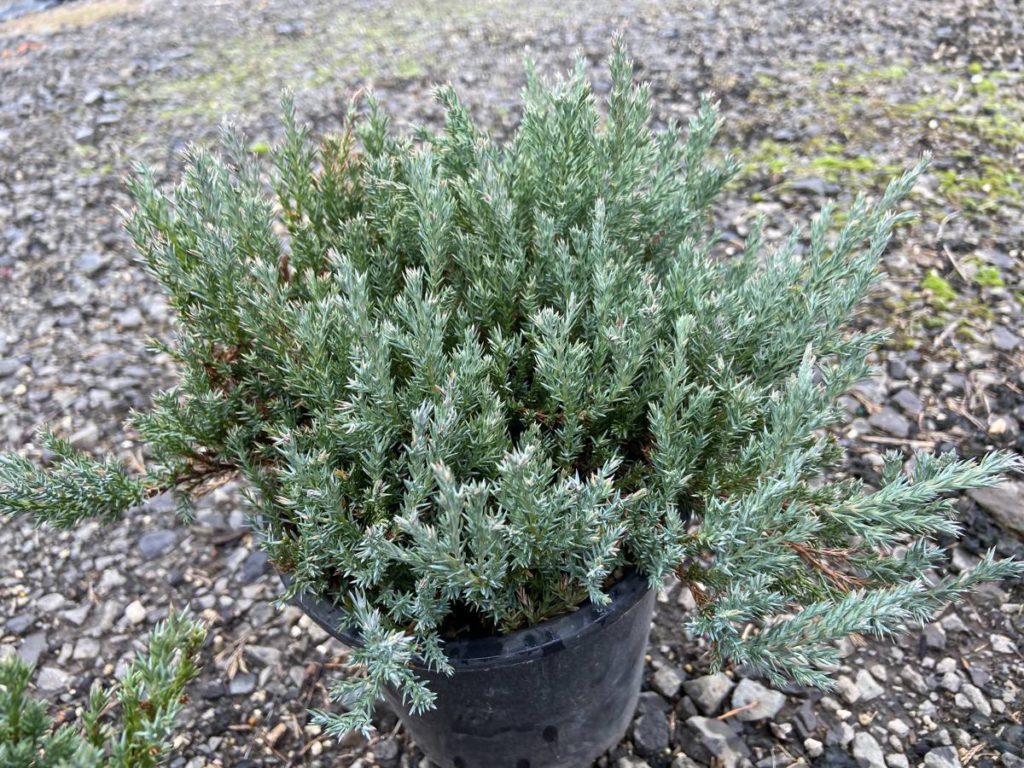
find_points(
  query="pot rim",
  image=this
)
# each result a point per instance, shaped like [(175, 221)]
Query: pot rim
[(521, 645)]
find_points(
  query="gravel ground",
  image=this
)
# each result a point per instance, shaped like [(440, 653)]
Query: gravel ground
[(820, 97)]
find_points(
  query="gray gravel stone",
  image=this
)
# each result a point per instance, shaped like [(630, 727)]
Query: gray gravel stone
[(867, 751), (52, 679), (934, 636), (266, 655), (242, 684), (154, 543), (1002, 644), (767, 702), (650, 733), (908, 401), (387, 752), (77, 616), (811, 185), (110, 579), (1004, 339), (1005, 502), (718, 740), (913, 678), (868, 687), (951, 682), (86, 648), (85, 438), (51, 603), (32, 647), (977, 699), (18, 624), (254, 566), (9, 366), (91, 263), (814, 747), (942, 757), (848, 689), (709, 692), (897, 727), (128, 320), (667, 681), (891, 421), (135, 613), (842, 734), (897, 368)]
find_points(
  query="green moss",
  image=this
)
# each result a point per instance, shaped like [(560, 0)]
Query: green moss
[(408, 69), (866, 77), (984, 87), (979, 310), (989, 277), (989, 183), (975, 68), (938, 290), (770, 157), (903, 342), (966, 333), (894, 72), (832, 165)]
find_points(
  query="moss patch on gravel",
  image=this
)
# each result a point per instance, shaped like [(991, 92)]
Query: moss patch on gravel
[(976, 116), (342, 49)]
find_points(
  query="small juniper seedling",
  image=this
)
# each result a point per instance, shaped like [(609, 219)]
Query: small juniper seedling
[(475, 379)]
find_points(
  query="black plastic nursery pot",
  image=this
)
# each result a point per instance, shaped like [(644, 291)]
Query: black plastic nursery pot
[(556, 695)]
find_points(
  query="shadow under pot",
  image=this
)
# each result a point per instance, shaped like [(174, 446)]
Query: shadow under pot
[(557, 695)]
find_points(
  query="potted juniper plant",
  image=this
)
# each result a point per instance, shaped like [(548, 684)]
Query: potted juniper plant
[(486, 396)]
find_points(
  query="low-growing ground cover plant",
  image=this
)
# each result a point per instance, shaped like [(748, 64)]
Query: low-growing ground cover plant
[(127, 725), (470, 382)]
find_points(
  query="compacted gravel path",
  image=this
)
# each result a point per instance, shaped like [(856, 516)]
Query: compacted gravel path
[(821, 98)]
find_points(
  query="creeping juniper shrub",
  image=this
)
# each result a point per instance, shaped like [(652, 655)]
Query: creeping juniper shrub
[(125, 726), (471, 380)]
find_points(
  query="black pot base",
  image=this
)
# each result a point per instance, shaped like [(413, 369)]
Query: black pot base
[(557, 695)]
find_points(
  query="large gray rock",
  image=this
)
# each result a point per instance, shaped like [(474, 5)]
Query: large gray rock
[(52, 679), (155, 543), (1005, 502), (20, 622), (1004, 339), (650, 733), (867, 751), (32, 647), (713, 738), (709, 692), (891, 421), (9, 366), (868, 686), (766, 702), (942, 757), (667, 682), (908, 401)]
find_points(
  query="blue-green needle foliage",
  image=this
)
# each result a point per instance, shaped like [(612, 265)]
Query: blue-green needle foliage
[(125, 726), (474, 379)]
